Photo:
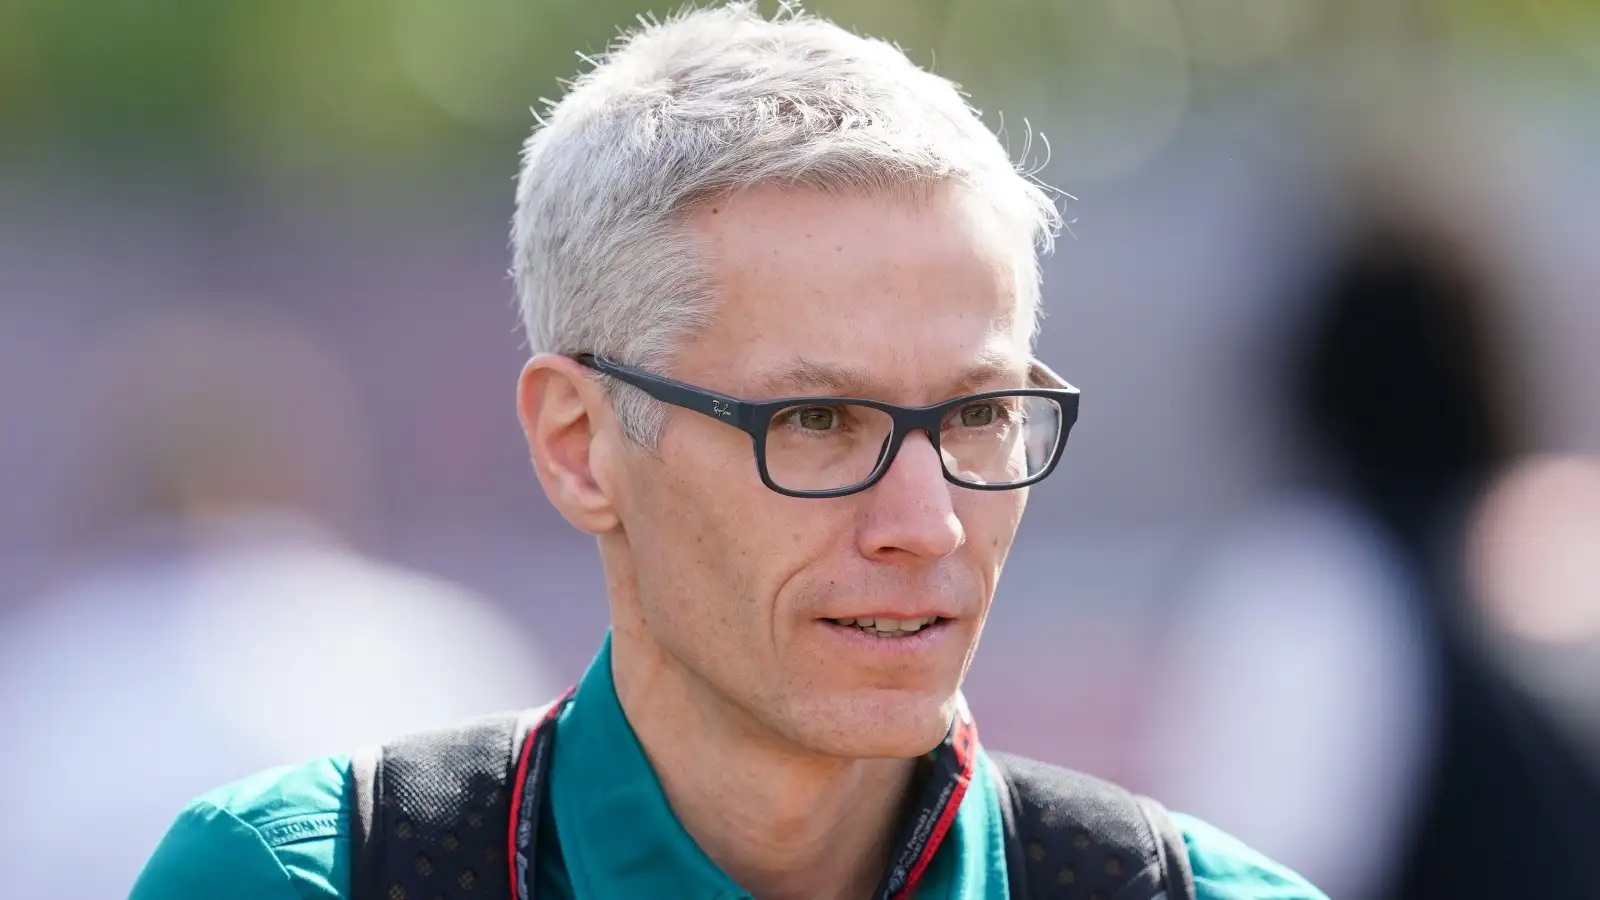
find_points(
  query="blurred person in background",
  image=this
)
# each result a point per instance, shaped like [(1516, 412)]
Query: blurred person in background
[(222, 622), (1410, 388), (1402, 759), (732, 207)]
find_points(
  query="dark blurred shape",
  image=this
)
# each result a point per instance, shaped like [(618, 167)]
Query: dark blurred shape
[(1402, 388), (200, 418), (1405, 394)]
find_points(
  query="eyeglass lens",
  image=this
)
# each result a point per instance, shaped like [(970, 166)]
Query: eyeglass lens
[(993, 441)]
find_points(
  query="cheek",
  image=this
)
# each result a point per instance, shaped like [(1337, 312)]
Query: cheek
[(704, 544), (991, 520), (676, 543)]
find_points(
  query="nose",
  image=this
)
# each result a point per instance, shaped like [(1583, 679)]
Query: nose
[(911, 514)]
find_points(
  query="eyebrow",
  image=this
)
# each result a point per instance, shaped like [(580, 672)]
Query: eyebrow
[(807, 376)]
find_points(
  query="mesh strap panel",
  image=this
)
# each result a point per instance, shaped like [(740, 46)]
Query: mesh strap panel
[(1071, 836), (439, 801)]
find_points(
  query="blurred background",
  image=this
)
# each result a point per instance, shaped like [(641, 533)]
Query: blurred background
[(1322, 564)]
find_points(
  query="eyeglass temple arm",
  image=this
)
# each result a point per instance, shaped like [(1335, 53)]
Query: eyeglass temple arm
[(730, 410)]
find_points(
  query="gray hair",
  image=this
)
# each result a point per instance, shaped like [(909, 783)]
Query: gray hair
[(709, 102)]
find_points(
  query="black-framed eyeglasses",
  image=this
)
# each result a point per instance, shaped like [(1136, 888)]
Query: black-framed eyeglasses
[(834, 446)]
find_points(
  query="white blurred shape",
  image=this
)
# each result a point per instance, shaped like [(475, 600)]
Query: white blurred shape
[(145, 683), (405, 651), (1297, 706)]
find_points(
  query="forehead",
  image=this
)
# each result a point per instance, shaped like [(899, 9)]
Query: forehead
[(909, 292)]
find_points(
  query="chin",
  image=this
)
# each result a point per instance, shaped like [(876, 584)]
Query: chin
[(874, 724)]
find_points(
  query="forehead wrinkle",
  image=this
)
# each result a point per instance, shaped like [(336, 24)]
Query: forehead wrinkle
[(803, 375), (993, 363)]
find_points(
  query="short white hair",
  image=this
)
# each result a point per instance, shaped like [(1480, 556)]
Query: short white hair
[(709, 102)]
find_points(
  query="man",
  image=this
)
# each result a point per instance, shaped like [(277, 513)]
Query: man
[(725, 228)]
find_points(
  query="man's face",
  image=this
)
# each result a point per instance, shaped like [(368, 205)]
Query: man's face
[(889, 299)]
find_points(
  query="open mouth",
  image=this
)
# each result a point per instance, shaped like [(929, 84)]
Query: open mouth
[(890, 628)]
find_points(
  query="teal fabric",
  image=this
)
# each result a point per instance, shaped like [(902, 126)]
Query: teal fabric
[(283, 834), (1225, 868), (278, 835)]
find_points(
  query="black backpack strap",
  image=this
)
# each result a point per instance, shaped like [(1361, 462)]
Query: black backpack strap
[(1070, 836), (366, 848), (1176, 874), (429, 811)]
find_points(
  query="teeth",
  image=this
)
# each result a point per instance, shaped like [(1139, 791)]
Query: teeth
[(889, 628)]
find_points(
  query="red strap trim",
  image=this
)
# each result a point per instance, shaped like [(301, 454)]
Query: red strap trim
[(526, 753), (964, 743)]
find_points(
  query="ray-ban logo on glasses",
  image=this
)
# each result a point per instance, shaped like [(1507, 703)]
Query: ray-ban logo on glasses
[(720, 408)]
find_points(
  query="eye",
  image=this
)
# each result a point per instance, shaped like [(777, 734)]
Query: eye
[(978, 415), (814, 418)]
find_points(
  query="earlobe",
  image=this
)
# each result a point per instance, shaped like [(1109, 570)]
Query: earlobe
[(562, 411)]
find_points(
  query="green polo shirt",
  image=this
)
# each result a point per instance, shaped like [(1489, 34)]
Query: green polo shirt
[(283, 834)]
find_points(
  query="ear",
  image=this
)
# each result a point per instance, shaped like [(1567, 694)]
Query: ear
[(564, 414)]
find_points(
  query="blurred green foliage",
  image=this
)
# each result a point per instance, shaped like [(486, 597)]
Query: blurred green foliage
[(413, 79)]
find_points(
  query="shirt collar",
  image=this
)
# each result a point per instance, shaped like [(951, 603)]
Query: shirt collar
[(620, 838)]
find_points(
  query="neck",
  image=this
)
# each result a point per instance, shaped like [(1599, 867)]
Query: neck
[(781, 822)]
